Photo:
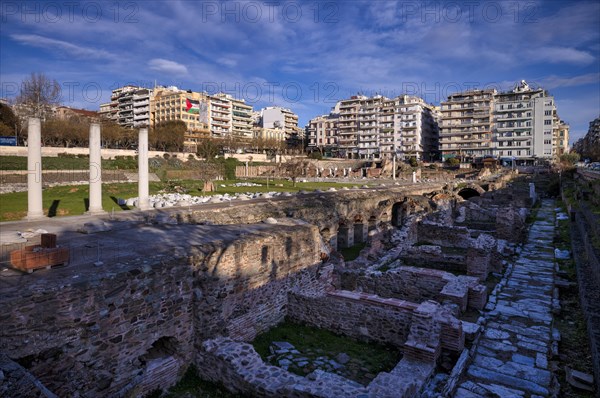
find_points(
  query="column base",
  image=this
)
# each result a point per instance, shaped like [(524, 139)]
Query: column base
[(96, 212), (34, 216)]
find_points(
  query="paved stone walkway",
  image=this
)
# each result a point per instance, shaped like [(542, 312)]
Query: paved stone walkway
[(511, 357)]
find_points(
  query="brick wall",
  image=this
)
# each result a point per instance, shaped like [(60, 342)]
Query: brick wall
[(357, 315), (244, 285), (89, 336)]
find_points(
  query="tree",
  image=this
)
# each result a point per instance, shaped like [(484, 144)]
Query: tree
[(68, 133), (569, 158), (9, 120), (38, 93), (209, 148), (295, 168), (168, 136)]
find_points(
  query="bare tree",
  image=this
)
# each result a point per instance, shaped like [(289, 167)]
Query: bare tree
[(295, 168), (38, 93)]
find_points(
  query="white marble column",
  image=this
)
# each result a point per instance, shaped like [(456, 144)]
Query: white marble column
[(95, 171), (414, 177), (393, 167), (34, 170), (143, 203)]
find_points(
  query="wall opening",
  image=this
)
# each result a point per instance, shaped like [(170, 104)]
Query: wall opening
[(397, 215), (467, 193)]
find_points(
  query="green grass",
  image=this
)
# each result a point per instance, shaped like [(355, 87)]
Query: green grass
[(351, 253), (71, 200), (62, 163), (313, 342), (68, 200)]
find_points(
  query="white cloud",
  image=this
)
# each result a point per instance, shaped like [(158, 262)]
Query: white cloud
[(227, 62), (72, 49), (561, 55), (551, 82), (168, 67)]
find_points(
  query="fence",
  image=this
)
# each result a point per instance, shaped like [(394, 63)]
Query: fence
[(88, 251)]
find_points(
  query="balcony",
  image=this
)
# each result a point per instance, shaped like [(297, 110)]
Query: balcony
[(141, 103), (141, 116), (141, 110)]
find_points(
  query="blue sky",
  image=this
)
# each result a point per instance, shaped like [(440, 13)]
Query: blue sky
[(307, 55)]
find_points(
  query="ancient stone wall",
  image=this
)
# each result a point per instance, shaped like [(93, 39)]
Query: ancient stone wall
[(357, 315), (442, 235), (420, 284), (95, 335), (238, 364), (243, 286)]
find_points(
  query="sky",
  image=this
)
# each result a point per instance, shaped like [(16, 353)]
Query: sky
[(306, 55)]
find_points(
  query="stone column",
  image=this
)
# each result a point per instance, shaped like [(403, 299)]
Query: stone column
[(393, 167), (143, 203), (414, 177), (34, 170), (95, 171)]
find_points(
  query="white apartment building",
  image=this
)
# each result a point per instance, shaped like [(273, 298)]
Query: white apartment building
[(241, 119), (378, 127), (129, 106), (220, 116), (525, 122), (275, 117)]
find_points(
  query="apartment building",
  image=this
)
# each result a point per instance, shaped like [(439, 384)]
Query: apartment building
[(220, 115), (241, 119), (378, 127), (466, 130), (129, 106), (525, 124), (267, 134), (348, 125), (416, 130), (322, 133), (275, 117), (141, 107), (560, 144), (171, 104)]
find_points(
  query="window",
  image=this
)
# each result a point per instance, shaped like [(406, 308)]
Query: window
[(547, 122), (547, 142), (548, 113)]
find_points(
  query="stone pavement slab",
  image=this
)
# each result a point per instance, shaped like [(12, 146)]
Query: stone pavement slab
[(511, 357)]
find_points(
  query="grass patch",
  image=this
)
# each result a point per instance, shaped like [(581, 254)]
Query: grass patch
[(71, 200), (366, 359), (352, 253), (68, 200), (68, 163)]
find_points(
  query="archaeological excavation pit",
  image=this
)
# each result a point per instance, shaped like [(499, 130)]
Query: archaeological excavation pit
[(302, 349), (198, 294)]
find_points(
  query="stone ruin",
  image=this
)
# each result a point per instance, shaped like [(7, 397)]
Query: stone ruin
[(206, 291)]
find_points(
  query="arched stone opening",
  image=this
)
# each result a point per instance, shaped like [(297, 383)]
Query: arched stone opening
[(397, 214), (467, 193), (345, 235), (360, 230), (162, 364)]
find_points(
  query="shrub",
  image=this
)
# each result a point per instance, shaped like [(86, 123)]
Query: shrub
[(452, 162), (315, 155)]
